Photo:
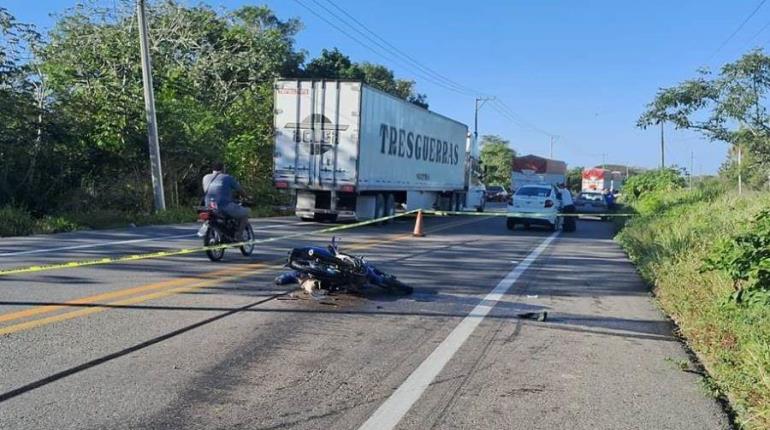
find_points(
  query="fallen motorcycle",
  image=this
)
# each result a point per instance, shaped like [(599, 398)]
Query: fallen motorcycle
[(316, 268)]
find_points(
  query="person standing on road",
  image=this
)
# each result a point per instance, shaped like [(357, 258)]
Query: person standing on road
[(567, 207), (609, 198), (219, 188)]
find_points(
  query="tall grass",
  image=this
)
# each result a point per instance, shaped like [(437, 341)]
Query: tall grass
[(669, 240)]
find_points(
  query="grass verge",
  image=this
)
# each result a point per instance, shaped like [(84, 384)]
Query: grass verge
[(668, 241), (19, 222)]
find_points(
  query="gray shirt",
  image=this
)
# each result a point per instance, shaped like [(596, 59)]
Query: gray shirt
[(219, 187)]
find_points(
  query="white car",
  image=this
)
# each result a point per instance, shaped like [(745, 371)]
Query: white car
[(535, 205)]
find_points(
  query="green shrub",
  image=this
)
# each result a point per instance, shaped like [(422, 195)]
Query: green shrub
[(745, 258), (16, 222), (19, 222), (169, 216), (55, 224), (653, 181)]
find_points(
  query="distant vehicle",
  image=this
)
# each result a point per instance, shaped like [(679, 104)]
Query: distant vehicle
[(496, 193), (589, 202), (535, 205), (596, 179), (533, 170), (344, 149)]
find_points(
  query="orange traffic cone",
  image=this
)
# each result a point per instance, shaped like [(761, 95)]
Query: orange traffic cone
[(418, 225)]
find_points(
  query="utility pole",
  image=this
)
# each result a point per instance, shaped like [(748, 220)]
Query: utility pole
[(149, 107), (551, 152), (604, 160), (476, 119), (662, 148), (692, 163), (740, 179)]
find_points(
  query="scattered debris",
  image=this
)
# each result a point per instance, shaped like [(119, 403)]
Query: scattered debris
[(540, 316)]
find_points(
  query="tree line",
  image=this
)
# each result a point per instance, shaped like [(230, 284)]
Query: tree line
[(729, 105), (72, 124)]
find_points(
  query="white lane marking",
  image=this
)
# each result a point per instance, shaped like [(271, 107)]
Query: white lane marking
[(123, 242), (388, 415)]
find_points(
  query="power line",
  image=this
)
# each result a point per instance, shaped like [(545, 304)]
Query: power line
[(740, 27), (761, 30), (506, 111), (394, 49), (387, 57), (390, 52)]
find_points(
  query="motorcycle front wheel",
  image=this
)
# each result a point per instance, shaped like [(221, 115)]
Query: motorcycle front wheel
[(248, 237), (213, 238)]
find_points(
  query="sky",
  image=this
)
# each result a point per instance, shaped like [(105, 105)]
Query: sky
[(579, 70)]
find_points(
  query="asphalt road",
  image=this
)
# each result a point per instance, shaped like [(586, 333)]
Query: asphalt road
[(184, 343)]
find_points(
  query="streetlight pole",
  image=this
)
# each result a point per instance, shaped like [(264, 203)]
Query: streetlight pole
[(149, 107), (692, 163), (479, 103), (740, 179), (662, 148), (551, 151)]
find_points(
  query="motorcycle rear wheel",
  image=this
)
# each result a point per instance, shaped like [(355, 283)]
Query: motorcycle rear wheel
[(248, 236), (213, 238)]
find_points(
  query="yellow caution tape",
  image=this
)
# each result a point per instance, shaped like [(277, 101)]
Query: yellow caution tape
[(522, 214), (184, 251)]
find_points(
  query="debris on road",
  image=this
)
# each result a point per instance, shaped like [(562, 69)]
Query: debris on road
[(539, 316)]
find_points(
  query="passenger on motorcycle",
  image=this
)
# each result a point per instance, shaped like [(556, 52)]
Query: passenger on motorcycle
[(220, 188)]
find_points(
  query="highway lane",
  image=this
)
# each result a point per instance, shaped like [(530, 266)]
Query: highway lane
[(220, 351)]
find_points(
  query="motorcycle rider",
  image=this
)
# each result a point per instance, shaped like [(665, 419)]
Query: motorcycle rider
[(220, 188)]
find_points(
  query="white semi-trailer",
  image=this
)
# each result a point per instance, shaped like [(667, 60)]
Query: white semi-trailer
[(347, 150)]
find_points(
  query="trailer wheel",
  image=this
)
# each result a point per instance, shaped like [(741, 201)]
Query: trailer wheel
[(458, 202), (390, 207), (379, 206)]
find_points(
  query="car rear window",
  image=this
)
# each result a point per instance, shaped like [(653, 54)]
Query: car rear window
[(495, 189), (533, 192)]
